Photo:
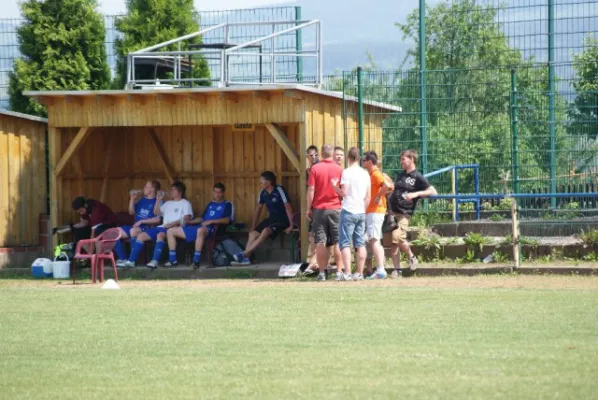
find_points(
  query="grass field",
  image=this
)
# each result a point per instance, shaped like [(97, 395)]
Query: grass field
[(481, 337)]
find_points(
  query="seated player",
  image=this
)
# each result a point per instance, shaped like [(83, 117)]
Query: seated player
[(96, 217), (280, 217), (175, 212), (142, 207), (218, 211)]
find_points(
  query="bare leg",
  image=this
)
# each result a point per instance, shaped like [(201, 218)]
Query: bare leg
[(172, 234), (202, 233), (323, 256), (346, 257), (135, 232), (339, 259), (378, 252), (361, 255), (254, 244), (253, 235), (395, 254)]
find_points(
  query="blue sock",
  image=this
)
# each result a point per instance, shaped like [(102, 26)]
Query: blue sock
[(196, 256), (136, 248), (158, 251), (172, 256), (119, 250)]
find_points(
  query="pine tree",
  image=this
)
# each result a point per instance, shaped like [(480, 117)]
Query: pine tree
[(62, 47)]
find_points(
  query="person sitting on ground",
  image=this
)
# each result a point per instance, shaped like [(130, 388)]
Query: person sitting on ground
[(217, 212), (96, 217), (175, 212), (142, 207), (280, 216)]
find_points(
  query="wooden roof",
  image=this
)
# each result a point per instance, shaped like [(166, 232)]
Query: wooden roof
[(29, 117), (289, 90)]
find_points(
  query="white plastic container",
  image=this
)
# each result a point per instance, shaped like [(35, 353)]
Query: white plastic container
[(61, 269), (42, 268)]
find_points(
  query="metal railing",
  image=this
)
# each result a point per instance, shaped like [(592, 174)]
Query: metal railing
[(223, 52), (454, 169)]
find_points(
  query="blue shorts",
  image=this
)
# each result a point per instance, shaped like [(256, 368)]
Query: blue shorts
[(153, 232), (127, 229), (191, 232), (351, 229)]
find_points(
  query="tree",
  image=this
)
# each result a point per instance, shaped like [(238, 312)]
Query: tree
[(585, 107), (149, 22), (468, 58), (62, 47)]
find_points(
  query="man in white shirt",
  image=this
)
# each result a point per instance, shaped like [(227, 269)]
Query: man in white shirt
[(175, 212), (355, 191)]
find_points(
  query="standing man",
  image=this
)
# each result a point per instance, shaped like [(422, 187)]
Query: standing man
[(280, 216), (218, 212), (410, 185), (323, 207), (355, 191), (375, 212), (143, 210), (339, 156), (175, 212)]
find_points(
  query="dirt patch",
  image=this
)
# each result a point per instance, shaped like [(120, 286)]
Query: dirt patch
[(474, 282)]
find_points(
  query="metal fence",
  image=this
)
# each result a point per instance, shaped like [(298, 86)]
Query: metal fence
[(522, 122), (289, 67)]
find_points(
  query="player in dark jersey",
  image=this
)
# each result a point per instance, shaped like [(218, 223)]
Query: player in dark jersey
[(410, 186), (280, 216), (218, 212)]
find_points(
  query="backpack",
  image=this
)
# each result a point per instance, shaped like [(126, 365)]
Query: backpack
[(224, 251)]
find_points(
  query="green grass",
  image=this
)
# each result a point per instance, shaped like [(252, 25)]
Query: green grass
[(297, 340)]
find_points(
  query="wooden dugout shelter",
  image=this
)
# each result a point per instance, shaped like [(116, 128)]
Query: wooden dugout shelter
[(103, 143)]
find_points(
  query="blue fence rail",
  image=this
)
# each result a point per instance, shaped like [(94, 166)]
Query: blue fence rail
[(454, 169)]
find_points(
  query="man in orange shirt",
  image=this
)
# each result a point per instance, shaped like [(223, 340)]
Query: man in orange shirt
[(375, 213)]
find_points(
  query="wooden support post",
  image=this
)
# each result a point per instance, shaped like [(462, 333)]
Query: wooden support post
[(77, 142), (168, 170), (302, 189), (106, 168), (54, 146), (285, 145), (515, 229)]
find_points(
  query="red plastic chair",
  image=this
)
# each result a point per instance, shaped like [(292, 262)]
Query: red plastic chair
[(105, 251), (86, 249)]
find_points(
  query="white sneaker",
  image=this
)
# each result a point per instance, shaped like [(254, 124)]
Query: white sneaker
[(129, 264), (339, 276), (378, 275), (413, 263), (321, 276), (121, 263), (152, 264), (357, 277), (395, 274)]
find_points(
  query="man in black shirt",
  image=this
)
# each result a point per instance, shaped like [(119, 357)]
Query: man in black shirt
[(409, 187)]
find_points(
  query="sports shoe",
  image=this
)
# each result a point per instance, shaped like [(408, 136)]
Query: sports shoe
[(195, 264), (172, 264), (357, 277), (242, 261), (152, 264), (238, 257), (395, 274), (378, 275), (309, 271), (413, 262), (321, 277), (341, 276), (129, 264), (121, 263)]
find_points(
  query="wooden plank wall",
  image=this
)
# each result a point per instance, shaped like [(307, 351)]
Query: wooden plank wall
[(200, 156), (23, 187)]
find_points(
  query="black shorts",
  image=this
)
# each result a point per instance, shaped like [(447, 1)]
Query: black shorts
[(277, 225)]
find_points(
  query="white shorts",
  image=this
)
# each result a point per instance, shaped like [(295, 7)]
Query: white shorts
[(373, 226)]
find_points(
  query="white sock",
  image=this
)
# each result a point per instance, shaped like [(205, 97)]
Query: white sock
[(380, 269)]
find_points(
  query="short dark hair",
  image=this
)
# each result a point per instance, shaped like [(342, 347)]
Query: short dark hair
[(269, 176), (371, 156), (180, 186), (337, 148), (220, 186), (353, 154), (79, 202), (312, 147), (156, 185), (412, 154)]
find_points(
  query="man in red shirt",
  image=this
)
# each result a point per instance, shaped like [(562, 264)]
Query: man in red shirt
[(324, 207), (96, 217)]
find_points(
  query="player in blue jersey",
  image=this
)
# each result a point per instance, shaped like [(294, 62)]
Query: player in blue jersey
[(280, 216), (142, 207), (217, 212)]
